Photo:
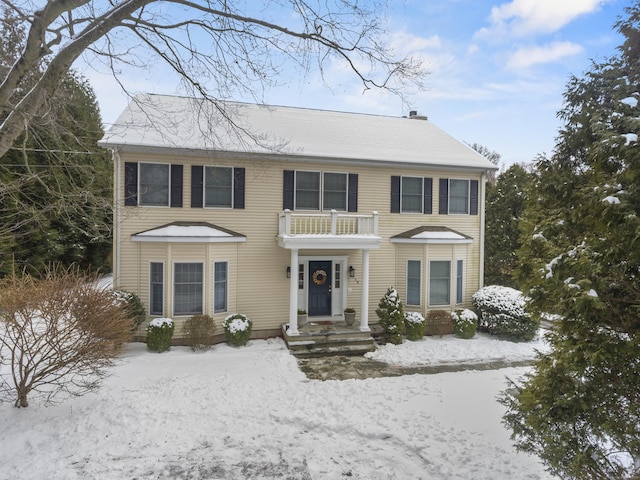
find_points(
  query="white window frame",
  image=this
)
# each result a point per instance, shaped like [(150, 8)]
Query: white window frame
[(468, 197), (151, 289), (431, 279), (226, 287), (419, 279), (421, 196), (173, 286), (459, 281), (204, 186), (321, 191)]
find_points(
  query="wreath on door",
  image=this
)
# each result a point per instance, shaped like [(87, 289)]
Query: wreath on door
[(319, 277)]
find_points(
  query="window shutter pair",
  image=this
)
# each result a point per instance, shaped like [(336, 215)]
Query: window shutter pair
[(131, 185), (444, 197), (197, 187), (427, 193), (288, 191)]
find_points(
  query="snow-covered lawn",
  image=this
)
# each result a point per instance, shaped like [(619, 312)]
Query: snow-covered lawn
[(249, 413)]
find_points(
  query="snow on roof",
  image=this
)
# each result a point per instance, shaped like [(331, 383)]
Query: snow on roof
[(152, 122), (429, 234), (188, 232)]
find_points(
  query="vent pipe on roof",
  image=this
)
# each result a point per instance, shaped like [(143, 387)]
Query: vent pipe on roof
[(414, 114)]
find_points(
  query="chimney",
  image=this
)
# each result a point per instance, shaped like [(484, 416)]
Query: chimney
[(414, 115)]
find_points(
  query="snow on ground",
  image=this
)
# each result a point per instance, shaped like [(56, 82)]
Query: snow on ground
[(249, 413)]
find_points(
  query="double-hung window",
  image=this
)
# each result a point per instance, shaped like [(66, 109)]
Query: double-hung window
[(303, 190), (218, 187), (459, 196), (156, 288), (411, 189), (187, 288), (152, 184), (220, 270), (459, 283), (413, 282), (440, 282), (411, 194)]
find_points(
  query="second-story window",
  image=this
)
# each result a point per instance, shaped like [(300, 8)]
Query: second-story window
[(305, 190), (152, 184), (218, 187)]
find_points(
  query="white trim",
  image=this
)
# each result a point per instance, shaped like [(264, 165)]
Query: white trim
[(421, 289), (213, 286), (432, 241), (173, 285), (164, 286)]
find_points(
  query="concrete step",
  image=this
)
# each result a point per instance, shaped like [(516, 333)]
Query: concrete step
[(324, 342)]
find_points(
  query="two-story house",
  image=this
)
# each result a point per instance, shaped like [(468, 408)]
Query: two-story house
[(266, 210)]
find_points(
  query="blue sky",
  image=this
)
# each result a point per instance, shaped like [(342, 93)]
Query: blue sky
[(497, 69)]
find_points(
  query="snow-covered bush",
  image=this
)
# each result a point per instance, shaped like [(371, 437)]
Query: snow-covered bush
[(502, 312), (199, 332), (159, 334), (465, 322), (237, 329), (439, 323), (414, 325), (389, 312), (133, 306)]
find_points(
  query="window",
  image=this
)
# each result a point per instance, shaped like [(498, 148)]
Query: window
[(439, 282), (337, 275), (156, 288), (458, 196), (459, 281), (320, 191), (335, 191), (220, 287), (413, 282), (301, 276), (154, 184), (187, 289), (411, 195), (308, 190), (218, 187)]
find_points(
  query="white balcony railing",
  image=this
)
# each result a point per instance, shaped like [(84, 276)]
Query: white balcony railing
[(332, 223)]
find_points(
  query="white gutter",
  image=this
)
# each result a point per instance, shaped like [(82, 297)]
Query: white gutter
[(117, 215), (482, 228)]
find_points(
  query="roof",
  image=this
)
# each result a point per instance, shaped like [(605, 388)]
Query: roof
[(156, 122), (431, 234), (188, 232)]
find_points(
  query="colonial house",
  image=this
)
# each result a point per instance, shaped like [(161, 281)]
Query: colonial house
[(267, 210)]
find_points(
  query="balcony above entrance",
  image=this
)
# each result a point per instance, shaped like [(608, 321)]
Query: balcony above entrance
[(332, 230)]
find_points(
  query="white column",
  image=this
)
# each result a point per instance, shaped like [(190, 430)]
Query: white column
[(364, 307), (293, 294)]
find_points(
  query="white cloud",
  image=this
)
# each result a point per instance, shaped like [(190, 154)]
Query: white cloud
[(526, 17), (526, 57)]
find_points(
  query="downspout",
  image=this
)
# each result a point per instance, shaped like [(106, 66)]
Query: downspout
[(117, 215), (483, 190)]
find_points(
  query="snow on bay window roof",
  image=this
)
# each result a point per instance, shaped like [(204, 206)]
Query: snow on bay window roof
[(193, 232), (153, 123), (430, 234)]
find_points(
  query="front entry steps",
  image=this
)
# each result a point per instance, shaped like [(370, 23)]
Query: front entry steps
[(328, 338)]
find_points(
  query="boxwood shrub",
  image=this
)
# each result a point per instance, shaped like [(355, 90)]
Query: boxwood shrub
[(501, 312), (465, 323), (237, 329), (159, 334), (414, 325)]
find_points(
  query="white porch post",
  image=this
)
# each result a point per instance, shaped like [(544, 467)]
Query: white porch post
[(293, 294), (364, 307)]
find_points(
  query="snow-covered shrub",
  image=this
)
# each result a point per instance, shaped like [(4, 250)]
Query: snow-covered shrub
[(237, 329), (389, 312), (502, 312), (133, 306), (159, 334), (414, 325), (465, 322), (439, 323), (199, 332)]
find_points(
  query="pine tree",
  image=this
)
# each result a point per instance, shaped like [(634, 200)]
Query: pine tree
[(579, 408), (391, 315)]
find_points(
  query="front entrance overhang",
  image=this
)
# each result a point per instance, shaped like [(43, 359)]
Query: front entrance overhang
[(329, 242)]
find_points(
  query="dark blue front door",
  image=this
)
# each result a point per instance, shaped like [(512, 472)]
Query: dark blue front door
[(319, 288)]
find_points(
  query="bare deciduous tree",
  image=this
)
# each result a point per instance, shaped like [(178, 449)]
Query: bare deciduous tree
[(58, 334), (217, 47)]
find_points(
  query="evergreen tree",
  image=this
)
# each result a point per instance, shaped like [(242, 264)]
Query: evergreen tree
[(579, 408), (505, 205)]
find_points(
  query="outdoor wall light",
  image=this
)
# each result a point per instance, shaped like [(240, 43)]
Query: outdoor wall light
[(352, 271), (288, 272)]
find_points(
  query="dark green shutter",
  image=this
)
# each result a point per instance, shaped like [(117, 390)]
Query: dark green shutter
[(288, 190), (395, 194), (238, 187), (444, 196), (176, 186), (473, 197), (428, 196), (197, 186), (352, 203), (131, 184)]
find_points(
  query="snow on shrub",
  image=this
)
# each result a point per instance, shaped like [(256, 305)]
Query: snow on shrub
[(414, 325), (465, 322), (159, 334), (389, 312), (133, 306), (502, 313), (237, 329)]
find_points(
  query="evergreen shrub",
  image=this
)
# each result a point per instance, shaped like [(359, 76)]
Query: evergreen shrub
[(134, 307), (465, 323), (199, 331), (502, 313), (391, 317), (159, 334), (414, 324), (237, 329)]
